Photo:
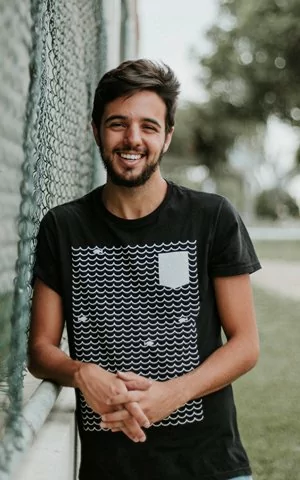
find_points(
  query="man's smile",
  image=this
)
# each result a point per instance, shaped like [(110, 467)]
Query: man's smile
[(131, 156)]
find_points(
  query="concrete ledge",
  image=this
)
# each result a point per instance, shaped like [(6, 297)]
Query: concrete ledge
[(52, 452)]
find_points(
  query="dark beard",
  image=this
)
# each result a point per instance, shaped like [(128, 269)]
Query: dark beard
[(134, 182)]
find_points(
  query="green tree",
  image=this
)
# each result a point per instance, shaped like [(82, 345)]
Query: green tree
[(254, 65), (251, 72)]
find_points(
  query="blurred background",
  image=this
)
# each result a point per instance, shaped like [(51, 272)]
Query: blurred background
[(237, 129), (237, 134)]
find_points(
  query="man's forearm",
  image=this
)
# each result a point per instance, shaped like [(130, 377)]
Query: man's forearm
[(51, 363), (220, 369)]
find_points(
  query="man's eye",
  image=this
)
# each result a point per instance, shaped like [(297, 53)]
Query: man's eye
[(118, 125), (150, 127)]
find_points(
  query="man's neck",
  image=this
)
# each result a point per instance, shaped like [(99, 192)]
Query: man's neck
[(135, 202)]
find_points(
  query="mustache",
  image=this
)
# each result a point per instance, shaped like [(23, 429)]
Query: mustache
[(131, 150)]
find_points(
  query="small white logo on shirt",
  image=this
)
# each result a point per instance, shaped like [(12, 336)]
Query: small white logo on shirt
[(98, 250), (149, 343), (183, 319)]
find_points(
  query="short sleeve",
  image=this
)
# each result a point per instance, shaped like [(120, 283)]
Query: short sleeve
[(232, 251), (46, 265)]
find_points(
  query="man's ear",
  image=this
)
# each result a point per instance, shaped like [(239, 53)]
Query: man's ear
[(96, 133), (168, 140)]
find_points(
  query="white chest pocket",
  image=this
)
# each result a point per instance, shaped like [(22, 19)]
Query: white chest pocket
[(173, 269)]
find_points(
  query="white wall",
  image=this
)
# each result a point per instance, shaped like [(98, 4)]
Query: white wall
[(112, 12)]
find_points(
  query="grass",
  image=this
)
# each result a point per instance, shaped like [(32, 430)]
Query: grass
[(288, 250), (267, 398)]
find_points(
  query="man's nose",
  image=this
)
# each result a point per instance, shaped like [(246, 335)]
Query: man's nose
[(133, 135)]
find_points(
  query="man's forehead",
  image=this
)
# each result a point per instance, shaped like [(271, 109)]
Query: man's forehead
[(144, 104)]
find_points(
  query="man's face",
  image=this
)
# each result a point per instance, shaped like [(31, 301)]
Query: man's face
[(132, 138)]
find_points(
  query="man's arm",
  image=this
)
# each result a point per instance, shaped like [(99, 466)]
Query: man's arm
[(47, 361), (222, 367), (240, 353)]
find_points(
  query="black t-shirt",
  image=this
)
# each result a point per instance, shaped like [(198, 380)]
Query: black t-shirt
[(138, 295)]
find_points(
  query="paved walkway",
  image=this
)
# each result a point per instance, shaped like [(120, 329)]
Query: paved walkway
[(279, 277)]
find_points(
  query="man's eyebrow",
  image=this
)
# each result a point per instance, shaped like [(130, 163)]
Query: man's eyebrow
[(152, 120), (124, 117), (115, 117)]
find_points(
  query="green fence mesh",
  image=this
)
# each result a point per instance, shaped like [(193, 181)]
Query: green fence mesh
[(15, 42), (55, 52)]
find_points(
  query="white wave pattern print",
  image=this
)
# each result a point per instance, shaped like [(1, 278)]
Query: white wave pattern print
[(135, 309)]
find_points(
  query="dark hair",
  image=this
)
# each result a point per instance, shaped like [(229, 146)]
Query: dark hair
[(133, 76)]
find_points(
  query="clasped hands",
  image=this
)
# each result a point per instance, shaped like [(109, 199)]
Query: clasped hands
[(128, 402), (142, 404)]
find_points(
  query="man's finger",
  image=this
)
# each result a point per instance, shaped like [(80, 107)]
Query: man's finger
[(134, 381), (129, 427), (132, 410), (117, 416), (112, 425), (122, 398), (134, 430), (136, 411), (137, 385), (140, 437)]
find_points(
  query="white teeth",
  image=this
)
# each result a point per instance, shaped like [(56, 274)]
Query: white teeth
[(129, 156)]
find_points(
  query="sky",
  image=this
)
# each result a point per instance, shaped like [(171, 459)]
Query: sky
[(168, 31)]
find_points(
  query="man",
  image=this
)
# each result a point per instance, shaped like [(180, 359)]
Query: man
[(146, 274)]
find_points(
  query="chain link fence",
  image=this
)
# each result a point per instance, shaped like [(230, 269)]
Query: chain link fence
[(54, 53)]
